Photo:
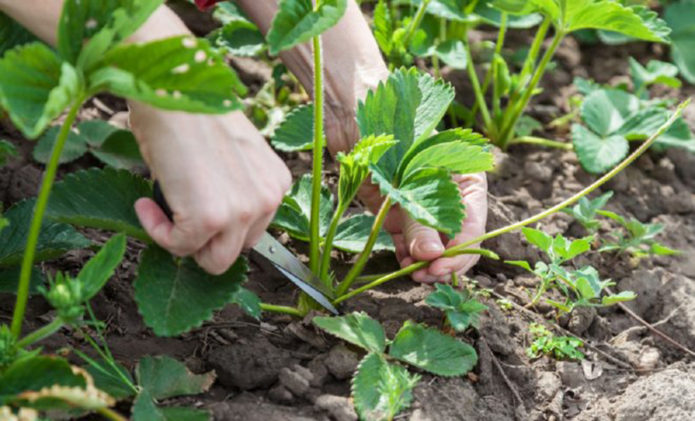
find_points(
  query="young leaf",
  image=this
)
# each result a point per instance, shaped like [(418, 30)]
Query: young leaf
[(679, 15), (381, 390), (294, 134), (383, 27), (352, 234), (54, 239), (100, 268), (618, 298), (101, 199), (461, 309), (356, 328), (354, 166), (432, 351), (176, 296), (36, 87), (538, 238), (164, 377), (179, 73), (293, 214), (429, 196), (297, 21), (586, 210), (249, 302)]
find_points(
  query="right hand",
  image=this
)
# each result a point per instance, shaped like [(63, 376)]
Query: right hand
[(220, 177)]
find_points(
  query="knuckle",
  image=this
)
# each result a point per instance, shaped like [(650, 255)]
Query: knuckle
[(213, 220)]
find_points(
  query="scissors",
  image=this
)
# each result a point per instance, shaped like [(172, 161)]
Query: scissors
[(282, 259)]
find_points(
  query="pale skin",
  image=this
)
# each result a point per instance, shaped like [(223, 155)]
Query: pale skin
[(208, 165)]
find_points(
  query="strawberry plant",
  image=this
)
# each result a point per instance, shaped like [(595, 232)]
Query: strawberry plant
[(461, 308), (560, 347), (586, 210), (638, 238)]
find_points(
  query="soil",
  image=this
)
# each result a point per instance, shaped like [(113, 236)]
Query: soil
[(283, 369)]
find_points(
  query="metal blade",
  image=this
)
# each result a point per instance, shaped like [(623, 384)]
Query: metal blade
[(296, 271)]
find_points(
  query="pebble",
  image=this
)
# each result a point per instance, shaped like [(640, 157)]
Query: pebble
[(547, 385), (341, 362), (338, 407), (293, 381)]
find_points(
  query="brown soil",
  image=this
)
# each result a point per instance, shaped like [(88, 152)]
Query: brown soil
[(283, 369)]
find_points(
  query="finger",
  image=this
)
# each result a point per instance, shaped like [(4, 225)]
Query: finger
[(423, 242), (221, 251), (400, 246), (257, 230)]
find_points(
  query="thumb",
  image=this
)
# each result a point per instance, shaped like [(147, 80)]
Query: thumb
[(423, 243)]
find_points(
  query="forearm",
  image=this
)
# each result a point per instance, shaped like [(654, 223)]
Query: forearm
[(352, 61)]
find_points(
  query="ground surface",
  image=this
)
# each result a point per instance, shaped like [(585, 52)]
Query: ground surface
[(282, 369)]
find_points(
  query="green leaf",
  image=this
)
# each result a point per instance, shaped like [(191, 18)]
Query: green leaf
[(179, 73), (164, 377), (661, 250), (354, 167), (144, 409), (635, 21), (12, 34), (297, 21), (461, 309), (296, 132), (82, 20), (596, 154), (75, 147), (7, 150), (36, 87), (453, 53), (429, 196), (520, 263), (538, 238), (294, 213), (605, 111), (111, 383), (35, 373), (493, 16), (352, 234), (238, 38), (101, 267), (679, 15), (432, 351), (458, 157), (9, 280), (54, 238), (409, 105), (101, 199), (656, 72), (618, 298), (249, 302), (381, 390), (120, 150), (383, 27), (452, 136), (176, 295), (356, 328)]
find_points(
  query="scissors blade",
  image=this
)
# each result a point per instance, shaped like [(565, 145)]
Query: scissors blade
[(296, 271)]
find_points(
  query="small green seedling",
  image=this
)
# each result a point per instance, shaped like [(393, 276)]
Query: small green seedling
[(461, 308), (559, 347), (638, 238), (586, 210), (381, 387)]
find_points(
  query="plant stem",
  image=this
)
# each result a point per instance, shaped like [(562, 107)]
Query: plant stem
[(41, 333), (533, 140), (111, 414), (518, 108), (461, 248), (358, 266), (415, 23), (37, 219), (328, 244), (318, 157), (292, 311), (501, 35), (479, 96)]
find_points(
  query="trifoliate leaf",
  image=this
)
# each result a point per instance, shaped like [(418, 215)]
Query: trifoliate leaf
[(179, 73), (679, 15), (354, 166), (432, 351), (606, 110), (460, 308), (656, 72), (12, 34), (356, 328), (586, 210), (36, 87), (294, 213), (238, 38), (54, 239), (381, 390), (296, 132), (353, 232), (101, 199), (175, 295), (297, 21), (164, 377), (429, 196), (100, 268), (596, 154)]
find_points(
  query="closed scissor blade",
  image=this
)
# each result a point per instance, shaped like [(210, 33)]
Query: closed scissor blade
[(296, 271)]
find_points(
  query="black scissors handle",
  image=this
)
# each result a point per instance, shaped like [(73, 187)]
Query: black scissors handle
[(160, 200)]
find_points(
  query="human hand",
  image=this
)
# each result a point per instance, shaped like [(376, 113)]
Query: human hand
[(222, 182)]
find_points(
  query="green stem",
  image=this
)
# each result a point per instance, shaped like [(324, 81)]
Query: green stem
[(501, 36), (533, 140), (459, 249), (37, 219), (518, 108), (318, 158), (328, 244), (111, 414), (479, 96), (415, 23), (41, 333), (292, 311), (357, 268)]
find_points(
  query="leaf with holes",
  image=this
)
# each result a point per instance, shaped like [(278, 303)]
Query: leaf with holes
[(178, 73), (54, 239), (356, 328), (380, 389), (239, 38), (432, 351), (297, 21), (175, 295)]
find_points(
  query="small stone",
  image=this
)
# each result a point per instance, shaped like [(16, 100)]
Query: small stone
[(280, 395), (304, 372), (571, 374), (649, 358), (418, 415), (538, 171), (319, 372), (338, 407), (341, 362), (293, 381), (547, 386)]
